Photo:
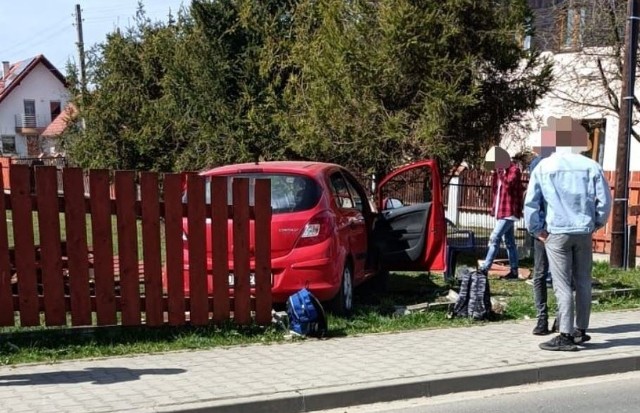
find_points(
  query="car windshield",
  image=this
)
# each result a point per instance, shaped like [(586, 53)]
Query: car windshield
[(289, 192)]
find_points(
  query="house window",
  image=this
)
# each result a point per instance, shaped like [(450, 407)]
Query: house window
[(29, 119), (8, 144), (572, 22), (596, 129), (54, 108), (526, 38)]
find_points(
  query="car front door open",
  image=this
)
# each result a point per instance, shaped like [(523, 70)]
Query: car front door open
[(410, 232)]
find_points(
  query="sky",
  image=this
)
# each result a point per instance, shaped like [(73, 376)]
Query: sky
[(48, 27)]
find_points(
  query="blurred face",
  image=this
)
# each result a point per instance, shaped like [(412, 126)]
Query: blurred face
[(561, 135), (496, 158)]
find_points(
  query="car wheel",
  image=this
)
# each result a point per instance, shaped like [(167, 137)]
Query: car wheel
[(342, 303)]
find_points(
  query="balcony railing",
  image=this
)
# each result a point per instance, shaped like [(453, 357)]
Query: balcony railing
[(24, 121)]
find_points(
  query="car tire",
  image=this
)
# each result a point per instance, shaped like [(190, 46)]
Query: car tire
[(342, 303)]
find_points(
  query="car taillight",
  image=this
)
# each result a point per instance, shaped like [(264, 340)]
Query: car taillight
[(319, 228)]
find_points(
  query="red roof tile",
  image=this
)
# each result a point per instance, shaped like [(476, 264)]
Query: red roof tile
[(60, 123)]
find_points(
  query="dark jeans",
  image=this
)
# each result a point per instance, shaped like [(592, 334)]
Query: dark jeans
[(540, 273)]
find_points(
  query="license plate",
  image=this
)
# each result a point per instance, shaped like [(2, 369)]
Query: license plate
[(252, 279)]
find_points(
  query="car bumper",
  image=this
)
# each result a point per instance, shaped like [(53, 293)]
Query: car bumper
[(320, 273)]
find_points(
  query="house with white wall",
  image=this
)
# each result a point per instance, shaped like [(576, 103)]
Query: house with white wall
[(579, 37), (570, 97), (33, 93)]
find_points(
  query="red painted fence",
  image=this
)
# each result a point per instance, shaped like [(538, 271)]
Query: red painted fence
[(602, 238), (57, 260)]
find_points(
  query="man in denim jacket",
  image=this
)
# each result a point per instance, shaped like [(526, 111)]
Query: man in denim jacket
[(568, 198)]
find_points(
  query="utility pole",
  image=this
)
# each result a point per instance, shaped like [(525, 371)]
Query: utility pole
[(619, 233), (83, 72)]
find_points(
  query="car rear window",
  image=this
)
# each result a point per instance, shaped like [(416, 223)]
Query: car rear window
[(289, 192)]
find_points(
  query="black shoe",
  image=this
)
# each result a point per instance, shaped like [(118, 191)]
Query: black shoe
[(555, 328), (511, 276), (580, 336), (542, 328), (561, 342)]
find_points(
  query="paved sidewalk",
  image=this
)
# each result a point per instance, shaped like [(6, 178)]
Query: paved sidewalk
[(321, 374)]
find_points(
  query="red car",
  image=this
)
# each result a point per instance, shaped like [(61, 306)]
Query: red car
[(327, 235)]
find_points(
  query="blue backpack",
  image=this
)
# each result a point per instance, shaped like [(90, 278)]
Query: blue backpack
[(306, 315)]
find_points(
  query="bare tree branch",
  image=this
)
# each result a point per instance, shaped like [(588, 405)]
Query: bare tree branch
[(611, 95), (567, 98), (587, 39)]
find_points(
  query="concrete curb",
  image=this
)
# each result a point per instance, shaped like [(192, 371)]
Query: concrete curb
[(414, 387)]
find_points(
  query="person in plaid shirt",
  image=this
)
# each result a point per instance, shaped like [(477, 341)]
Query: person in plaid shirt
[(507, 206)]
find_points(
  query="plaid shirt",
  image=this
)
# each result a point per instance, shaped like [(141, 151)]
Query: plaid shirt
[(511, 194)]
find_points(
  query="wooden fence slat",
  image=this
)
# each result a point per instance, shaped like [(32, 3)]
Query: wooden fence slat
[(78, 252), (127, 247), (6, 299), (50, 246), (102, 235), (25, 259), (220, 250), (241, 268), (199, 309), (151, 248), (262, 237), (172, 187), (5, 164)]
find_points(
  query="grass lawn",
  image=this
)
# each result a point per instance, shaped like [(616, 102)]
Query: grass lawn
[(374, 312)]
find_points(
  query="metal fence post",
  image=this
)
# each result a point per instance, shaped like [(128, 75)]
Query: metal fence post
[(454, 199), (631, 250)]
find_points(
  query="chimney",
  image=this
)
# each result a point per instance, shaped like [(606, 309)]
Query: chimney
[(5, 69)]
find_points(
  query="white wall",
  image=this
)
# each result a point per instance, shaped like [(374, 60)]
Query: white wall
[(577, 92), (39, 85)]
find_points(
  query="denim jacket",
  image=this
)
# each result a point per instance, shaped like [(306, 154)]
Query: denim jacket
[(569, 194)]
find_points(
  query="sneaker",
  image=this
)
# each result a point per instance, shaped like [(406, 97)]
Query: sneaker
[(580, 336), (561, 342), (511, 276), (529, 281), (555, 328), (549, 283), (542, 328)]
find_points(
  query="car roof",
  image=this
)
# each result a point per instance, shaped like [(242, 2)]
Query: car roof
[(304, 167)]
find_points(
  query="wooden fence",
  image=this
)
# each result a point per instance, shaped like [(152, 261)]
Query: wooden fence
[(57, 260), (602, 238), (473, 194)]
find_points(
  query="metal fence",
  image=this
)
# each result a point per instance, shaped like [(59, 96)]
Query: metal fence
[(467, 200)]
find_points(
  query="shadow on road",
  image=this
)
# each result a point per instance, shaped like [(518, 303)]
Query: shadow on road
[(95, 375)]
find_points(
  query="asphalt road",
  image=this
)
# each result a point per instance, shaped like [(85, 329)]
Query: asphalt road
[(618, 393)]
